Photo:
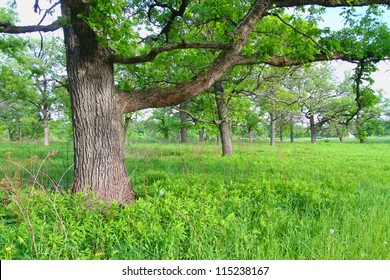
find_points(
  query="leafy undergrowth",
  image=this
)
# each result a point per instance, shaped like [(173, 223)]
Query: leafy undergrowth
[(293, 201)]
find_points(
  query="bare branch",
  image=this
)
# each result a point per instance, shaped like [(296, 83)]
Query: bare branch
[(256, 94), (12, 29), (36, 7), (47, 11)]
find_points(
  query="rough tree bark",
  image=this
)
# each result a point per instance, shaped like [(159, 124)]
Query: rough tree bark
[(99, 163), (98, 107)]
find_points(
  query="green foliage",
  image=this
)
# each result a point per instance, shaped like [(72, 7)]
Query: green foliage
[(114, 28), (8, 15), (164, 121), (32, 85), (298, 201)]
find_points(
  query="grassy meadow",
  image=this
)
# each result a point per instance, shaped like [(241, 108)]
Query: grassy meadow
[(293, 201)]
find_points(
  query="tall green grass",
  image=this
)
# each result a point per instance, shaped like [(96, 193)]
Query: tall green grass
[(292, 201)]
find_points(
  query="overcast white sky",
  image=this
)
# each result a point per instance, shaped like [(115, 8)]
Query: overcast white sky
[(332, 19)]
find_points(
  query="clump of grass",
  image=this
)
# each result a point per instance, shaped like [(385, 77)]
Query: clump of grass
[(20, 194), (294, 201)]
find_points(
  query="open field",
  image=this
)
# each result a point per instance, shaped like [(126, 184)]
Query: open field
[(293, 201)]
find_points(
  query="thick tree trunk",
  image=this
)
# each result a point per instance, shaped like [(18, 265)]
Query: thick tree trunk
[(313, 131), (272, 141), (225, 126), (99, 164)]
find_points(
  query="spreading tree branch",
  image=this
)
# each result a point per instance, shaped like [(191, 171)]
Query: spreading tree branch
[(174, 15), (327, 3), (156, 51), (284, 61), (302, 33), (196, 119), (48, 11), (12, 29), (162, 97)]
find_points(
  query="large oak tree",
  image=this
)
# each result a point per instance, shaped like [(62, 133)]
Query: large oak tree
[(100, 34)]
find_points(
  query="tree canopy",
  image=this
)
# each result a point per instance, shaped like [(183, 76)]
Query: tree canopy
[(194, 42)]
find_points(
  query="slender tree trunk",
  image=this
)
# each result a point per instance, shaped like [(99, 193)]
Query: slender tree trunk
[(339, 134), (225, 126), (281, 129), (166, 134), (201, 134), (313, 132), (250, 135), (45, 129), (273, 129), (97, 114), (20, 132), (291, 127), (183, 123), (46, 133)]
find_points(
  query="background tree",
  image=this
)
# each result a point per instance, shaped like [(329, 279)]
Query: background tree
[(99, 34), (165, 121), (316, 86), (36, 76)]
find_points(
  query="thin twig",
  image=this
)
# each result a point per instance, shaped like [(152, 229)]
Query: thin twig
[(302, 33)]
